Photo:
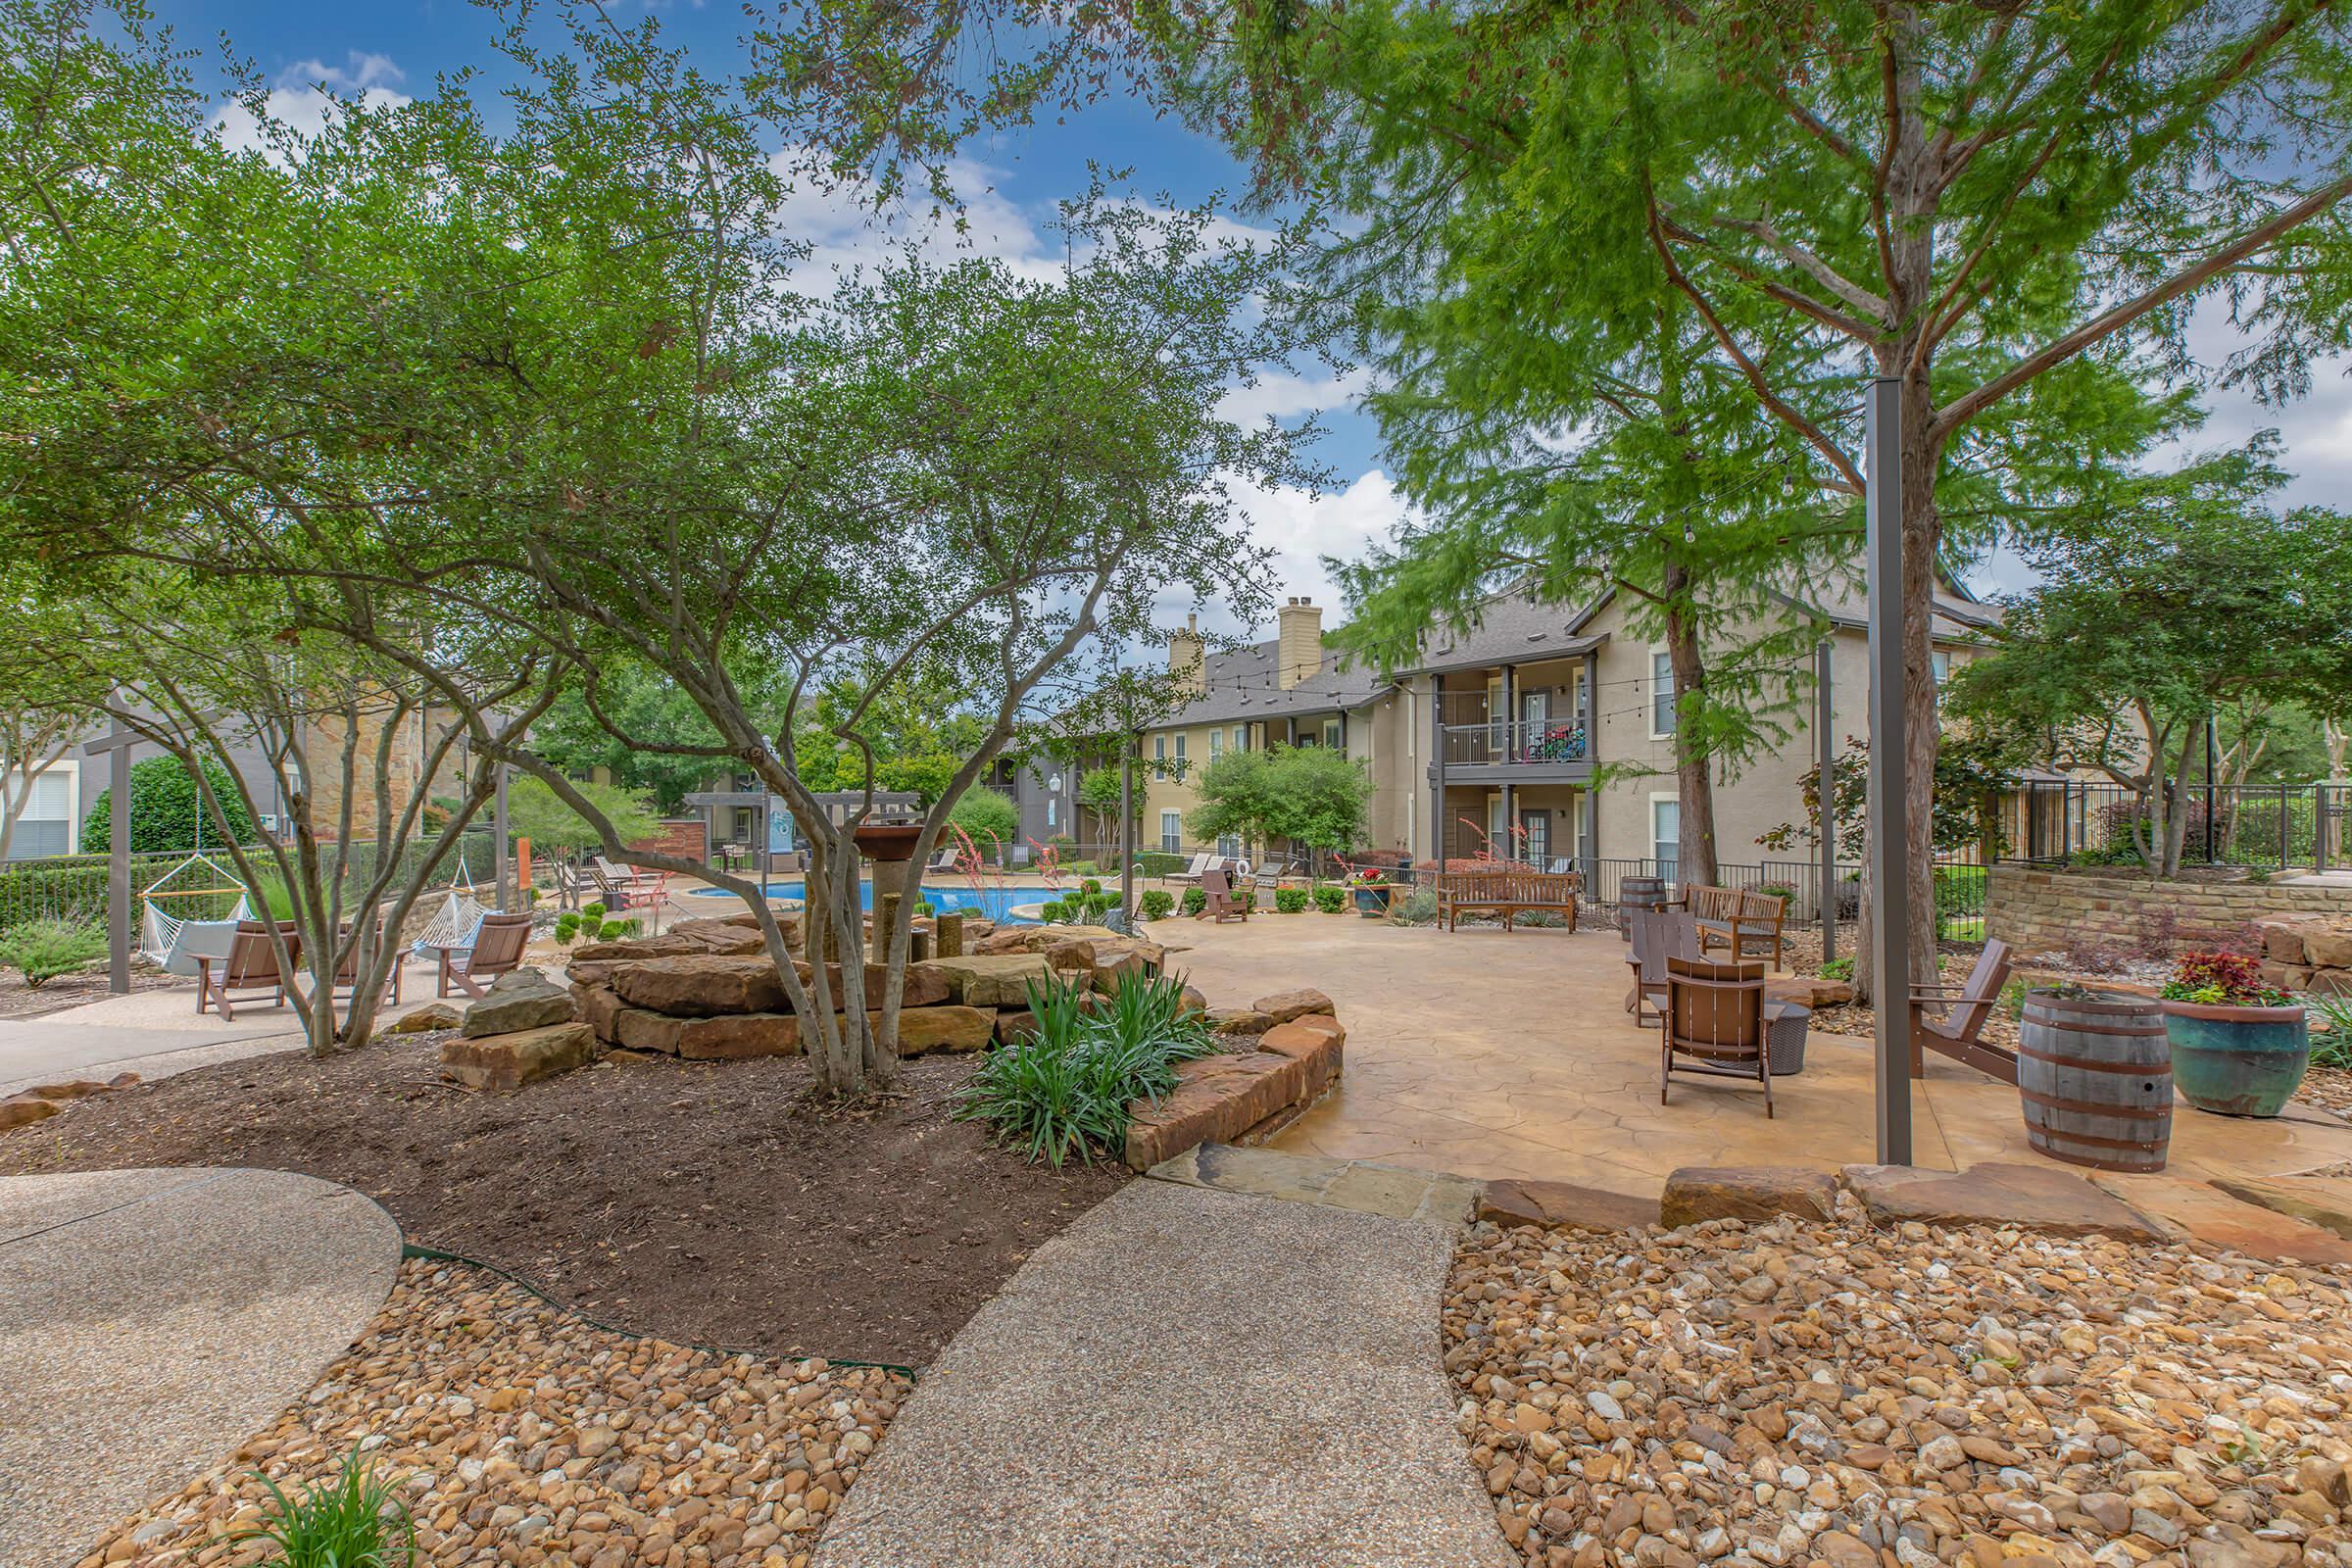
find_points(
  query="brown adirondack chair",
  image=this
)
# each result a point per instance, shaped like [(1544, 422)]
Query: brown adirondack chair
[(497, 949), (1953, 1033), (1223, 903), (1656, 935), (1714, 1023), (251, 967)]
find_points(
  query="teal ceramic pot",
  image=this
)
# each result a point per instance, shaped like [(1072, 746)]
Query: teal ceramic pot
[(1373, 902), (2237, 1061)]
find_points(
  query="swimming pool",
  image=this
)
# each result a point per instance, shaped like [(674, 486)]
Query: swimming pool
[(997, 904)]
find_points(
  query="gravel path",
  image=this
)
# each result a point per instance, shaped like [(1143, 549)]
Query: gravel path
[(151, 1319), (1187, 1379), (519, 1434), (1832, 1394)]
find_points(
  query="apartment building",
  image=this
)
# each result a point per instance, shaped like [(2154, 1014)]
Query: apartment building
[(1541, 731)]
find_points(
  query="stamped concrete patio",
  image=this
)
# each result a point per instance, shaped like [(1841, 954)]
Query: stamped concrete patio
[(1489, 1054)]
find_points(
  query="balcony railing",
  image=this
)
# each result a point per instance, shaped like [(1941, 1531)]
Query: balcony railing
[(1529, 743)]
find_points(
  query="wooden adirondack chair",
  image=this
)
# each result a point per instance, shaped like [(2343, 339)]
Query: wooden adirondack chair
[(497, 949), (1657, 935), (251, 967), (1216, 886), (1954, 1032), (1714, 1023), (347, 973)]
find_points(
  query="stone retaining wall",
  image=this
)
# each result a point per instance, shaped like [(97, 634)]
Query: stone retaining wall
[(2040, 911)]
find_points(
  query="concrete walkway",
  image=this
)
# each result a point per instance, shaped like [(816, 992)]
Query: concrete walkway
[(153, 1320), (1188, 1379)]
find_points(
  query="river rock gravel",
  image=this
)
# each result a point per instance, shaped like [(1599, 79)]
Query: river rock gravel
[(517, 1433), (1791, 1395)]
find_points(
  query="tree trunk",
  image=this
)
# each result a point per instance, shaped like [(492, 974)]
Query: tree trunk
[(1694, 784)]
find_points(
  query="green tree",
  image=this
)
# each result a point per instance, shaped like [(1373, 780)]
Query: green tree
[(1953, 196), (166, 806), (672, 750), (2201, 601), (1311, 796), (987, 817), (1237, 798), (535, 812)]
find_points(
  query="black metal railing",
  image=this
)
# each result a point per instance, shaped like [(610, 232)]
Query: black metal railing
[(2277, 827), (1528, 741)]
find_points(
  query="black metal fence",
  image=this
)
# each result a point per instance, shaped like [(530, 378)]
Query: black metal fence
[(2280, 827)]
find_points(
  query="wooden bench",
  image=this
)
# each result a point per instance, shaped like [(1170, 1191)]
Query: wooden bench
[(1747, 923), (1508, 891)]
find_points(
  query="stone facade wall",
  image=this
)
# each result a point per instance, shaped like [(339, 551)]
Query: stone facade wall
[(2038, 911), (686, 837)]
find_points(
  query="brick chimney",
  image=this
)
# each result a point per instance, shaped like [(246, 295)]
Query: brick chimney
[(1299, 652), (1188, 665)]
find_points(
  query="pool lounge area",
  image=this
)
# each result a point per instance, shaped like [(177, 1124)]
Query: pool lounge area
[(996, 904)]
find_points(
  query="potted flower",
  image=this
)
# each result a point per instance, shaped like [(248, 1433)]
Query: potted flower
[(1370, 885), (2240, 1047)]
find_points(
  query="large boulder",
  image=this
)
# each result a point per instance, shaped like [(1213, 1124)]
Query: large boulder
[(1217, 1099), (519, 999), (1313, 1041), (22, 1110), (601, 1007), (509, 1062), (1564, 1205), (1750, 1193), (422, 1021), (2034, 1198), (723, 1039), (1283, 1005), (986, 980), (1239, 1021), (2324, 948), (1013, 939), (708, 986), (923, 1030)]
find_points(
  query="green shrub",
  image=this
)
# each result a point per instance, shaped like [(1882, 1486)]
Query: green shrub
[(1778, 890), (164, 808), (1157, 904), (592, 912), (1195, 901), (1838, 969), (1249, 900), (568, 927), (1065, 1088), (1050, 912), (354, 1521), (1418, 908), (43, 949), (923, 909), (1089, 886), (1160, 862), (1330, 899), (1096, 903), (617, 930), (1290, 901)]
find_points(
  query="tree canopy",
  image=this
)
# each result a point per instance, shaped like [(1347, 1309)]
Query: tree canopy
[(1309, 795)]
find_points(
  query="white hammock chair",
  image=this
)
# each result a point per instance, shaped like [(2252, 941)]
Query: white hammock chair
[(159, 928), (457, 919)]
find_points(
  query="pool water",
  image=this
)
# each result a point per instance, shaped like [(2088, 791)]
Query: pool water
[(994, 902)]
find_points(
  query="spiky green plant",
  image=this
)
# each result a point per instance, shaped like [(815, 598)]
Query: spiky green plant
[(353, 1521), (43, 949), (2333, 1049)]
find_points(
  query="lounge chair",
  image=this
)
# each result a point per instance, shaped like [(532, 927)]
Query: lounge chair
[(624, 887), (1223, 903), (1191, 874), (1954, 1033), (1714, 1023), (1656, 935), (943, 861), (251, 967), (498, 944)]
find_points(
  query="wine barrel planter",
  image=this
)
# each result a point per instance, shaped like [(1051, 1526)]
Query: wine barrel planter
[(2095, 1077), (2237, 1061)]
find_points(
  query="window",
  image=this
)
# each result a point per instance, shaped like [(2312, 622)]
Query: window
[(1498, 720), (1180, 755), (1216, 744), (1666, 833), (1241, 737), (46, 824), (1330, 733), (1229, 847), (1497, 838), (1939, 667), (1661, 694), (1159, 757), (1171, 831)]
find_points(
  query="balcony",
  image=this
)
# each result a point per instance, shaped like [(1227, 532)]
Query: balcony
[(1552, 751)]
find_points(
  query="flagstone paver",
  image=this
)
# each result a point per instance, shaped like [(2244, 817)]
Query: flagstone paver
[(1188, 1378), (150, 1320)]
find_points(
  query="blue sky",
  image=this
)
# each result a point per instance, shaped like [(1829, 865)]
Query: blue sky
[(1009, 184)]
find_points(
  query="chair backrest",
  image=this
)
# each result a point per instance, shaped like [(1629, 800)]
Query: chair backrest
[(1201, 862), (498, 945), (1716, 1006), (349, 969), (252, 960), (1965, 1018), (1661, 935)]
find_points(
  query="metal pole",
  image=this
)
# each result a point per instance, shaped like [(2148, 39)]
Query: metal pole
[(1824, 708), (502, 858), (2282, 811), (1127, 744), (1890, 827), (117, 867)]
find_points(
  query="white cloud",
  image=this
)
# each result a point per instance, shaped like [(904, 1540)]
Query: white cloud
[(307, 93), (1302, 529), (1283, 395), (845, 228)]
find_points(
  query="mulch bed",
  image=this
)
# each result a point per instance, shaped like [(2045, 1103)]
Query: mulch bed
[(20, 1000), (709, 1202)]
